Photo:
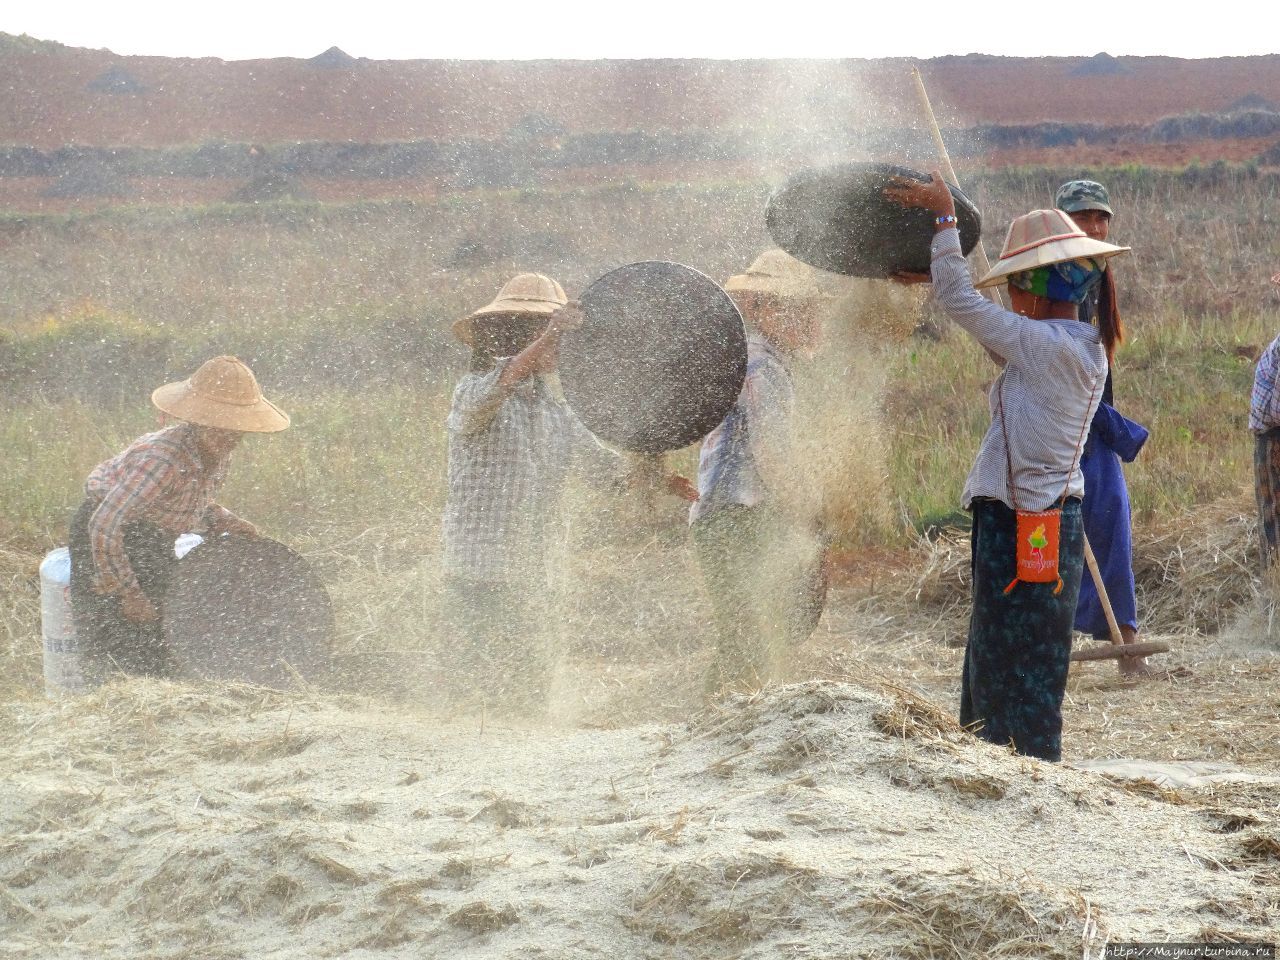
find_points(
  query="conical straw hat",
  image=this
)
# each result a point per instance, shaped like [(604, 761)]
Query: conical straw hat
[(525, 294), (1040, 238), (779, 274), (223, 393)]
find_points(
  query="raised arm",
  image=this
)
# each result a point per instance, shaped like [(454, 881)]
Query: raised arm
[(476, 403), (1006, 335)]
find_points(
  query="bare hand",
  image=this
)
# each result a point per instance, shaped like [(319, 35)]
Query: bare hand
[(237, 527), (136, 608), (568, 317), (907, 277), (682, 487), (933, 195)]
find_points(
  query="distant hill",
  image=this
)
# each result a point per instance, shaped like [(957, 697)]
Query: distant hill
[(1100, 65), (57, 95), (334, 58)]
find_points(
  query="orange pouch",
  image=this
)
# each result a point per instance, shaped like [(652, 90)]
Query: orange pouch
[(1038, 548)]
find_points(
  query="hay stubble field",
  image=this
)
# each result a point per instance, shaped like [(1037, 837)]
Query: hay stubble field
[(837, 814)]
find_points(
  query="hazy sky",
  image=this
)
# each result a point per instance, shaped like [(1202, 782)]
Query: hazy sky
[(238, 29)]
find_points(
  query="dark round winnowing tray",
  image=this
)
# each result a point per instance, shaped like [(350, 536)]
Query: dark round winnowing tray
[(659, 358), (838, 218), (248, 610)]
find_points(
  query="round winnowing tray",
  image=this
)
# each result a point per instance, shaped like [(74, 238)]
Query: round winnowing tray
[(838, 218), (659, 359), (249, 610)]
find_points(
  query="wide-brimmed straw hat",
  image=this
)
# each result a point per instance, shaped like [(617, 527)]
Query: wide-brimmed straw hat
[(1043, 237), (223, 393), (525, 294), (777, 274)]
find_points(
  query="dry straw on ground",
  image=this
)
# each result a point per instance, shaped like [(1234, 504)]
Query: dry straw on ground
[(972, 916), (154, 820), (1194, 573)]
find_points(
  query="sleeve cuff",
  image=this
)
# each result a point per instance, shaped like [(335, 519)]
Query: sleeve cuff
[(490, 385), (214, 514), (944, 242)]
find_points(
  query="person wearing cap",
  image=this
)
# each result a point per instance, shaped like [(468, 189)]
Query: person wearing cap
[(758, 538), (512, 443), (139, 501), (1264, 423), (1053, 372), (1112, 438)]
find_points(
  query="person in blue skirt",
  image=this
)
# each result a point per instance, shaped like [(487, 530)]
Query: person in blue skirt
[(1113, 439)]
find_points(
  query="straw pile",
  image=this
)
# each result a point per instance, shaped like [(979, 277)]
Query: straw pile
[(151, 820), (849, 816), (984, 917), (1196, 572)]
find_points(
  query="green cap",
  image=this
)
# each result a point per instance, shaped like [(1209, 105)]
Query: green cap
[(1076, 195)]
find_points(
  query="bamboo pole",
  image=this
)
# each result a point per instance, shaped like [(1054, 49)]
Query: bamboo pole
[(949, 172)]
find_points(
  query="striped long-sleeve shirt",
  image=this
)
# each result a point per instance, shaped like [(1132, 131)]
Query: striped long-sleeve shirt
[(161, 479), (1264, 401), (1051, 383)]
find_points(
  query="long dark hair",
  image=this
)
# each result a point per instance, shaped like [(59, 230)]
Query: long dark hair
[(1109, 326)]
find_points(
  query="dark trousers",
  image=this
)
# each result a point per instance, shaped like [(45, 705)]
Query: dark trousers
[(1019, 650), (766, 583), (1266, 471), (496, 653), (109, 642)]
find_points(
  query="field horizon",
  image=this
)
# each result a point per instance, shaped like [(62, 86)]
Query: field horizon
[(167, 213)]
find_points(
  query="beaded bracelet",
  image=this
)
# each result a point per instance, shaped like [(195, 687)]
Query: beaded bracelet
[(943, 221)]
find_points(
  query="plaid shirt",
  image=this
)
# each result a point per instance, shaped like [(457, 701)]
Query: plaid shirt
[(754, 436), (509, 454), (159, 479), (1264, 401)]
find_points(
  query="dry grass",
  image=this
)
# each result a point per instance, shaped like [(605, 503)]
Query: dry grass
[(20, 644), (971, 916), (1261, 846), (1224, 712), (867, 835), (480, 918), (1195, 572), (911, 716), (720, 909), (940, 579)]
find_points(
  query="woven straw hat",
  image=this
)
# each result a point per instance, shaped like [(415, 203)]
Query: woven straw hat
[(1042, 237), (525, 294), (779, 274), (223, 393)]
